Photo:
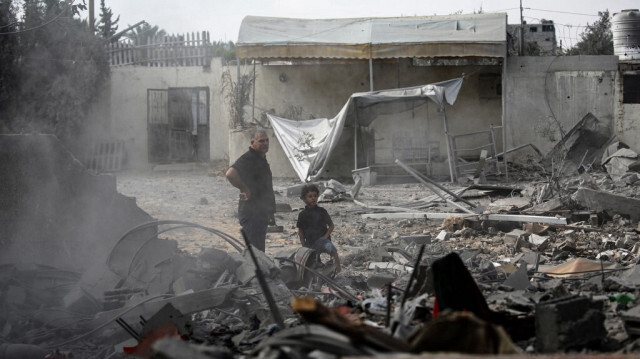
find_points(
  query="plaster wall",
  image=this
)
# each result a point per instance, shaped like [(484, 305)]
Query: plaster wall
[(127, 113), (303, 92), (627, 116), (628, 126), (545, 94)]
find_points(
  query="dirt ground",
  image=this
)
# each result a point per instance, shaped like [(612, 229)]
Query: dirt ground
[(201, 195)]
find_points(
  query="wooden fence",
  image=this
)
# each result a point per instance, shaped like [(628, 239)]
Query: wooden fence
[(161, 51)]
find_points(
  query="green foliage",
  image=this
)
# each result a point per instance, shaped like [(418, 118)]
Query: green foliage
[(597, 39), (107, 26), (56, 69), (237, 95), (225, 50), (143, 34)]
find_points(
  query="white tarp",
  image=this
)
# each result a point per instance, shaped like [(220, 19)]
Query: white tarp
[(363, 38), (308, 144)]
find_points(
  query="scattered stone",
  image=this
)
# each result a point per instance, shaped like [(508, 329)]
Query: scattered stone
[(443, 236), (417, 239), (283, 207), (512, 237), (541, 242), (518, 280)]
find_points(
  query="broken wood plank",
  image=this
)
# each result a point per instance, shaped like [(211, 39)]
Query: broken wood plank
[(485, 217), (388, 208), (478, 176), (415, 215), (428, 182)]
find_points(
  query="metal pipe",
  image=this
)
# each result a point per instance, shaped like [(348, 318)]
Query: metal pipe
[(424, 179), (323, 277), (275, 312), (370, 74), (355, 135), (446, 135), (253, 100), (504, 101)]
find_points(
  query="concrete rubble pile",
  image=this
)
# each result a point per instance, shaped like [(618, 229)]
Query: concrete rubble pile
[(544, 265)]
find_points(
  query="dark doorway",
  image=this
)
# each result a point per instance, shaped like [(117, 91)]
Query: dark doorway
[(178, 124)]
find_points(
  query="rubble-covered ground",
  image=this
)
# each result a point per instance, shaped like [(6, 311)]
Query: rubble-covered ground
[(546, 285)]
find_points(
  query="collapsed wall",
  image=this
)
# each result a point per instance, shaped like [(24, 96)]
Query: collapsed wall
[(53, 211)]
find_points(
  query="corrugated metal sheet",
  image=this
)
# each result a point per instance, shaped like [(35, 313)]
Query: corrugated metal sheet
[(425, 36)]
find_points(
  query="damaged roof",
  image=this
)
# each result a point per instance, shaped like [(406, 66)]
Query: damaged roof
[(483, 35)]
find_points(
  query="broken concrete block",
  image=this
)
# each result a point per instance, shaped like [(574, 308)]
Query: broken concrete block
[(616, 284), (417, 239), (365, 175), (635, 166), (568, 323), (380, 254), (529, 257), (213, 260), (464, 233), (582, 145), (508, 204), (617, 164), (629, 178), (521, 243), (247, 271), (611, 203), (355, 189), (443, 236), (568, 245), (512, 237), (518, 280), (541, 242)]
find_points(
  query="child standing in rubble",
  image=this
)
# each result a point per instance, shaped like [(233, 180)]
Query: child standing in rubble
[(315, 225)]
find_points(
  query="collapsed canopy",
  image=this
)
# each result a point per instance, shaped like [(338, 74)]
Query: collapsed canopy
[(308, 144)]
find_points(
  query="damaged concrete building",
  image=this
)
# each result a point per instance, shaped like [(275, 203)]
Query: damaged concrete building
[(544, 263)]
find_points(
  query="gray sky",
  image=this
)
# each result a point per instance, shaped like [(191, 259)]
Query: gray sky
[(222, 18)]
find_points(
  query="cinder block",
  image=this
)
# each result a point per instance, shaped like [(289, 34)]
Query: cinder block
[(568, 323)]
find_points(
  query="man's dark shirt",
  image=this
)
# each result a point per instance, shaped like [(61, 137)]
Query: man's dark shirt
[(255, 172), (314, 223)]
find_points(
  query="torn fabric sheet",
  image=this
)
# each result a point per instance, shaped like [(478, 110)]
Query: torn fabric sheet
[(308, 144)]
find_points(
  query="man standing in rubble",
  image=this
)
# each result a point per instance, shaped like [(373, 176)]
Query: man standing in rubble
[(251, 174)]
